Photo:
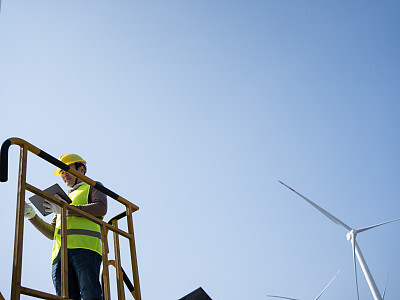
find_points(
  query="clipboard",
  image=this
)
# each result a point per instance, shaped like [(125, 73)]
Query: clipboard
[(38, 201)]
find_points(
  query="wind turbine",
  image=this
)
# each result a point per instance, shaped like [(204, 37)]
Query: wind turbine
[(351, 236), (316, 298)]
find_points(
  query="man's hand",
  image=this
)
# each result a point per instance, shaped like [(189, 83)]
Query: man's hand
[(29, 212), (59, 197), (52, 207)]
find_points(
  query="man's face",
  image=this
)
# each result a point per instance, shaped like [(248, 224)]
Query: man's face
[(68, 179)]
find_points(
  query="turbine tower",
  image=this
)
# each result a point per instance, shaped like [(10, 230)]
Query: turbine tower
[(351, 236), (316, 298)]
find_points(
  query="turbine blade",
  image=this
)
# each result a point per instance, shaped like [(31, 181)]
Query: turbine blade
[(272, 296), (380, 224), (384, 291), (319, 295), (355, 264), (331, 217)]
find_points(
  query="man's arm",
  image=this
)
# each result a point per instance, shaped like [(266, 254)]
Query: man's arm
[(97, 204), (45, 228)]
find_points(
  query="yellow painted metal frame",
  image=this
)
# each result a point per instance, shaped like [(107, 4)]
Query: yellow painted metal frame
[(120, 286), (16, 286)]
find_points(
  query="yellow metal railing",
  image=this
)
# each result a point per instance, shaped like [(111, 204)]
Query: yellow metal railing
[(16, 286)]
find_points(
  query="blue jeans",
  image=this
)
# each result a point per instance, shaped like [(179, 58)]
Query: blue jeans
[(83, 274)]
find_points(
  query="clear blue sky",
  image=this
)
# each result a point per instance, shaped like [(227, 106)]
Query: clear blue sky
[(194, 110)]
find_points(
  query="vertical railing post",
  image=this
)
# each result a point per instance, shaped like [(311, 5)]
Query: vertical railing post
[(118, 270), (135, 271), (64, 253), (19, 226), (106, 276)]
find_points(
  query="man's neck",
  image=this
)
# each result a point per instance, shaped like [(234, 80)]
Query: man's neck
[(74, 187)]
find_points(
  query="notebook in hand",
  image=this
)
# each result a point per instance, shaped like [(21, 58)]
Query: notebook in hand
[(54, 189)]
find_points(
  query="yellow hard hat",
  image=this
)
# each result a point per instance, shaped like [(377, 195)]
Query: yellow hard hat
[(69, 159)]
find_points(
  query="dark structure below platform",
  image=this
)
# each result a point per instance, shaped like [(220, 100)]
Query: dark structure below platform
[(198, 294)]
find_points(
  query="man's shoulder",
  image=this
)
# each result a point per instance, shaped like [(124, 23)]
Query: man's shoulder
[(95, 189), (97, 184)]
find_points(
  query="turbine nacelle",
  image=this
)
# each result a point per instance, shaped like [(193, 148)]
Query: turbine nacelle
[(351, 235)]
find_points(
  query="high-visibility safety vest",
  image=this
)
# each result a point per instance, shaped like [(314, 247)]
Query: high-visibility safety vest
[(81, 233)]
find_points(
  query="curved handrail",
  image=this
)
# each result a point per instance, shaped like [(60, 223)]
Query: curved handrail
[(54, 161), (4, 161), (117, 217)]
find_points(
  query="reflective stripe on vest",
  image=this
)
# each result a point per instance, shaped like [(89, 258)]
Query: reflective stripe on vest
[(81, 233)]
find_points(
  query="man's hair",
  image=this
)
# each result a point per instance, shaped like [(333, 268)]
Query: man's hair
[(78, 165)]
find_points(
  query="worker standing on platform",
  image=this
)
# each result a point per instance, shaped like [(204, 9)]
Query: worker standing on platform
[(83, 236)]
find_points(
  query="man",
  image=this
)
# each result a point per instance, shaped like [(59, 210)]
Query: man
[(83, 236)]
